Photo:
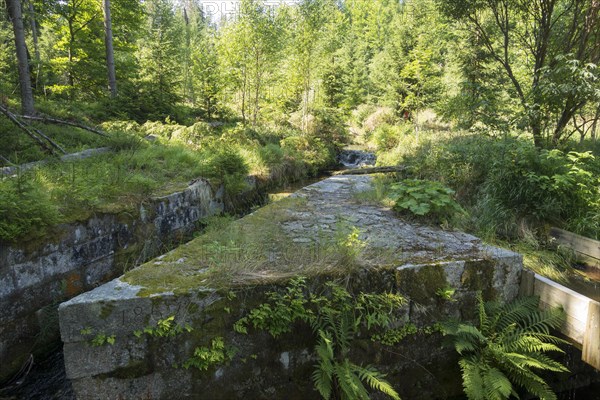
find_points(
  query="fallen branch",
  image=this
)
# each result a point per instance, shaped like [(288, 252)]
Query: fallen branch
[(372, 170), (14, 120), (48, 120), (52, 142)]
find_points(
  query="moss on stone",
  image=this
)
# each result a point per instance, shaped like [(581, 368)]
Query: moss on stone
[(255, 249), (133, 370), (106, 310), (478, 275), (420, 284)]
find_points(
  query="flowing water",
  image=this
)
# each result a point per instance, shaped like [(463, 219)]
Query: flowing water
[(351, 158)]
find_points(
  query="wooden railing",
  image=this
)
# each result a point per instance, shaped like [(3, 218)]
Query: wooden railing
[(588, 250), (582, 323)]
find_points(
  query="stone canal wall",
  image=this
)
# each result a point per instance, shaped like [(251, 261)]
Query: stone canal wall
[(36, 276), (132, 337)]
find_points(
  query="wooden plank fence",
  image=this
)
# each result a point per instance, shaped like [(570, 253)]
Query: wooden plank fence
[(588, 250), (582, 323)]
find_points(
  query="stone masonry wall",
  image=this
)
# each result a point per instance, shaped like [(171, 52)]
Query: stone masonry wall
[(412, 260), (35, 277)]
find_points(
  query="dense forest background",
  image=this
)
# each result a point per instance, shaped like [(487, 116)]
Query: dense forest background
[(497, 66)]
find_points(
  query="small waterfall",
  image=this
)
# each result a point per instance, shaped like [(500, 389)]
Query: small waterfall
[(356, 158)]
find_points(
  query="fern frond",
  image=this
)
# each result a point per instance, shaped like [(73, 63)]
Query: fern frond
[(467, 338), (324, 347), (516, 311), (531, 344), (544, 321), (344, 331), (375, 380), (323, 382), (532, 383), (537, 361), (496, 385), (349, 383), (508, 347), (472, 379), (323, 374), (484, 323)]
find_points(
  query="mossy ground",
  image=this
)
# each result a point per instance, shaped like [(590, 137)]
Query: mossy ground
[(255, 249)]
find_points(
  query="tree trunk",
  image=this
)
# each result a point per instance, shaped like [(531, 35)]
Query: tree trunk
[(110, 54), (36, 47), (536, 130), (595, 126), (14, 11)]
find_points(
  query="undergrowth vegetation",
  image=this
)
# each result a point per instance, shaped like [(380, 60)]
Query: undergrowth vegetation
[(507, 184), (511, 191), (152, 159), (336, 318)]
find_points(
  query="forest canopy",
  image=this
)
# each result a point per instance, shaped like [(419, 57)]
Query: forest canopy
[(496, 65)]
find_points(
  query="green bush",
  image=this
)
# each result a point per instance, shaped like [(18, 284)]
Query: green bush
[(424, 199), (271, 154), (386, 137), (228, 167), (542, 186), (508, 185)]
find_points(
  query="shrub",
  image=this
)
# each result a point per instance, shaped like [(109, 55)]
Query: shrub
[(508, 184), (229, 168), (425, 199), (386, 137), (382, 116)]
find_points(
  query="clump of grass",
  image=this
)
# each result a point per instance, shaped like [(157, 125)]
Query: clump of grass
[(255, 249)]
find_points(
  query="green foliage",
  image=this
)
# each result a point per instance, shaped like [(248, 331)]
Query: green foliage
[(24, 207), (228, 166), (167, 161), (391, 337), (207, 357), (446, 293), (336, 318), (507, 184), (166, 327), (543, 186), (102, 339), (349, 243), (283, 310), (424, 198), (386, 137), (506, 349)]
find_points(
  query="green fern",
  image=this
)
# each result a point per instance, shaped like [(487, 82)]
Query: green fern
[(336, 318), (507, 349)]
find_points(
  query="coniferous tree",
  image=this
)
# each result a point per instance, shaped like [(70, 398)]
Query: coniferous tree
[(15, 14), (110, 54)]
